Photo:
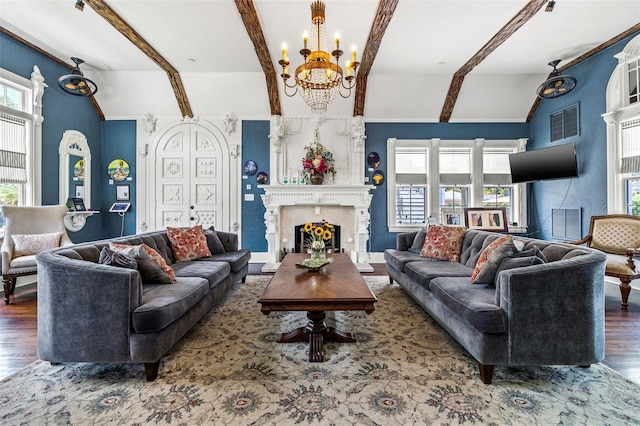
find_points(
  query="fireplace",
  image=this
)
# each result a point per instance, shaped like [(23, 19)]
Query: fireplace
[(287, 205), (303, 240)]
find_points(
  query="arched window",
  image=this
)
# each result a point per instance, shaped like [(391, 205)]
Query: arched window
[(623, 132)]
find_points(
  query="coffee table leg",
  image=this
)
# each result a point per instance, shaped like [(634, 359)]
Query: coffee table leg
[(315, 332)]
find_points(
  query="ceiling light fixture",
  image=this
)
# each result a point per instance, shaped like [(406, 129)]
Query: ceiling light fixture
[(550, 5), (318, 79), (76, 83), (80, 5), (557, 84)]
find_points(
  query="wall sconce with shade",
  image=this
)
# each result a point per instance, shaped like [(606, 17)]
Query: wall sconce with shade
[(318, 79)]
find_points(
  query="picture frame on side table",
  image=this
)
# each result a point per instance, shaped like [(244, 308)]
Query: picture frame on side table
[(486, 218), (122, 192)]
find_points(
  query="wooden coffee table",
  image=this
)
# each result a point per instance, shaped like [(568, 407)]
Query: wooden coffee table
[(337, 286)]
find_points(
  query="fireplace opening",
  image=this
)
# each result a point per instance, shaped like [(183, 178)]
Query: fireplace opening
[(303, 240)]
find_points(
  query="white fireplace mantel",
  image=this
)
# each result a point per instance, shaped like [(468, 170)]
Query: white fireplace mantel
[(313, 203)]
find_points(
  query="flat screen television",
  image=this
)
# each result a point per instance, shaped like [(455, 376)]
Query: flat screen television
[(556, 162)]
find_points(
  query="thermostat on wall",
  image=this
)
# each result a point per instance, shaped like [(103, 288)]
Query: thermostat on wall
[(120, 207)]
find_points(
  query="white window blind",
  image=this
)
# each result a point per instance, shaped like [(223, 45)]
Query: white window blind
[(411, 167), (455, 167), (13, 149), (630, 136), (495, 167)]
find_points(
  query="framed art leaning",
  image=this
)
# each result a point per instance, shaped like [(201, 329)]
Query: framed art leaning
[(488, 219)]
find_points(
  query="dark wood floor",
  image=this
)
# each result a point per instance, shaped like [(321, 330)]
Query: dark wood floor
[(18, 330)]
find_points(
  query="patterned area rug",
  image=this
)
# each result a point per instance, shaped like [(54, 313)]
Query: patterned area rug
[(404, 369)]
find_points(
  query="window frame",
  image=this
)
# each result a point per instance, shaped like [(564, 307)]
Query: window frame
[(432, 188), (32, 92), (619, 111)]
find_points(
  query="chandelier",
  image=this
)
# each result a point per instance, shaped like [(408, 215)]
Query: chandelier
[(319, 79)]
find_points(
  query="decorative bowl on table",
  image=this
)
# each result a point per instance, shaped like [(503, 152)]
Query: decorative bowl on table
[(315, 264)]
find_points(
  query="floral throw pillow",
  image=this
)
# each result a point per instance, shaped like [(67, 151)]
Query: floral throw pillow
[(188, 244), (26, 245), (490, 259), (151, 264), (443, 242)]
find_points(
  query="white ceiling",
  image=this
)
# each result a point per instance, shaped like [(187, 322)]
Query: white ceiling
[(425, 43)]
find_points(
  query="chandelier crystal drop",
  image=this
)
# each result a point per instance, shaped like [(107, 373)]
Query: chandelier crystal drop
[(318, 79)]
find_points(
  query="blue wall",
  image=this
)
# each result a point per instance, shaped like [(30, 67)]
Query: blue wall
[(588, 191), (255, 146), (118, 142), (61, 112), (377, 135)]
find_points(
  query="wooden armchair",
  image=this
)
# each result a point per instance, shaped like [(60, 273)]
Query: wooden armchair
[(617, 235), (35, 228)]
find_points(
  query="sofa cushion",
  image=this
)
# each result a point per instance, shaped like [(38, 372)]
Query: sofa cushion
[(475, 304), (399, 258), (443, 242), (236, 259), (151, 265), (213, 241), (490, 258), (113, 258), (214, 272), (424, 270), (188, 244), (163, 304), (30, 244)]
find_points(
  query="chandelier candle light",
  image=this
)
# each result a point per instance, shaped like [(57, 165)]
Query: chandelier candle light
[(318, 79)]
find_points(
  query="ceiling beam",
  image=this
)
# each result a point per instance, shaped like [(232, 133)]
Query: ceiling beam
[(252, 24), (521, 18), (583, 57), (383, 16), (32, 46), (102, 9)]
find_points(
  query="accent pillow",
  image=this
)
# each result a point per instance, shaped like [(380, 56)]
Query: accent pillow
[(113, 258), (418, 241), (535, 251), (443, 242), (188, 244), (26, 245), (151, 265), (518, 262), (213, 241), (490, 258)]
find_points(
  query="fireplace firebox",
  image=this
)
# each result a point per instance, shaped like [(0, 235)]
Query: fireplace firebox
[(303, 240)]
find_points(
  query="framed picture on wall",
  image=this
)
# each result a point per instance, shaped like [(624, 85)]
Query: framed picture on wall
[(122, 192), (488, 219), (80, 191)]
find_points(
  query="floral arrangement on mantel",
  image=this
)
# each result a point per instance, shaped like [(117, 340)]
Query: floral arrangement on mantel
[(318, 160)]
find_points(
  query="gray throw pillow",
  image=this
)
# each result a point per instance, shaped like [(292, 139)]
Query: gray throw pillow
[(213, 241), (535, 251), (518, 262), (112, 258), (418, 241), (150, 270)]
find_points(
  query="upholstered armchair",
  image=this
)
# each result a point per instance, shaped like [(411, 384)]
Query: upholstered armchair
[(618, 235), (28, 231)]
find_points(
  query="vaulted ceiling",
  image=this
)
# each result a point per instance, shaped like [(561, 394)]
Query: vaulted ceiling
[(422, 60)]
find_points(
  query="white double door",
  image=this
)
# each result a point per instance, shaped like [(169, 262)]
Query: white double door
[(191, 184)]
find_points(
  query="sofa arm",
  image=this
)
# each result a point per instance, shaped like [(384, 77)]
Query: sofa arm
[(555, 311), (84, 309), (404, 240)]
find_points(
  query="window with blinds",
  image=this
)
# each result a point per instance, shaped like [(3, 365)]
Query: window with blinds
[(13, 149), (630, 153), (411, 181)]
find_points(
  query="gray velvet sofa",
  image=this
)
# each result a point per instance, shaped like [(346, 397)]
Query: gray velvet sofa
[(544, 314), (92, 312)]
